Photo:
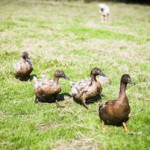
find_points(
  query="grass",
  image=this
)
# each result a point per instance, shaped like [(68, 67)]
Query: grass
[(71, 37)]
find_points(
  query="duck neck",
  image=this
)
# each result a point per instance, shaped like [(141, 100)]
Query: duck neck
[(122, 93), (56, 79), (93, 78), (23, 60)]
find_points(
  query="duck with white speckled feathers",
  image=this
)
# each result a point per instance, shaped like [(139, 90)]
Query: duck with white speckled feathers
[(86, 89)]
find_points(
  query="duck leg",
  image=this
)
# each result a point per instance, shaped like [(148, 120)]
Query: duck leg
[(103, 126), (84, 104), (125, 127), (57, 104)]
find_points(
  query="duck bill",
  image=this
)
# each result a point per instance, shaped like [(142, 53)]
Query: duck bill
[(65, 77), (133, 83), (28, 58), (102, 74)]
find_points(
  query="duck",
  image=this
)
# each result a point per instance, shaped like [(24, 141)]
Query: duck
[(116, 112), (86, 89), (46, 90), (23, 68)]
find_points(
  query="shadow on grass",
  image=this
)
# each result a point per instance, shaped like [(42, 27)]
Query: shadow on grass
[(119, 124), (26, 78), (88, 101), (59, 97), (32, 76)]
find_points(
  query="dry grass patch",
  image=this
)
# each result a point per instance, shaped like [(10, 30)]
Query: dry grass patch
[(80, 144)]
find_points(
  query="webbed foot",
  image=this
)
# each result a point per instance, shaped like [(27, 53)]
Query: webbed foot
[(84, 104)]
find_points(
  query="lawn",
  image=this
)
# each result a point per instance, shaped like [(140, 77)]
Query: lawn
[(70, 36)]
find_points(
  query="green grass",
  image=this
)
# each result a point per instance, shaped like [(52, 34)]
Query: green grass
[(71, 37)]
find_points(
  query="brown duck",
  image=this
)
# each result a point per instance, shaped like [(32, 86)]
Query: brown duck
[(47, 89), (86, 89), (116, 112), (23, 68)]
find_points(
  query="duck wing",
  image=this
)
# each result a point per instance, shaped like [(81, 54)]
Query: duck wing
[(38, 84), (18, 66), (80, 86), (23, 67), (107, 104)]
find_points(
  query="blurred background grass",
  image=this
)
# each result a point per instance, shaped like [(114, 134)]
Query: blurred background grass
[(70, 36)]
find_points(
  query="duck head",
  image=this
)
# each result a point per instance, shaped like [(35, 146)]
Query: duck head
[(127, 79), (61, 74), (97, 71), (25, 55)]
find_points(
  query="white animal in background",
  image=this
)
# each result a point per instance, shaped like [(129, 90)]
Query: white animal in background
[(104, 11)]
